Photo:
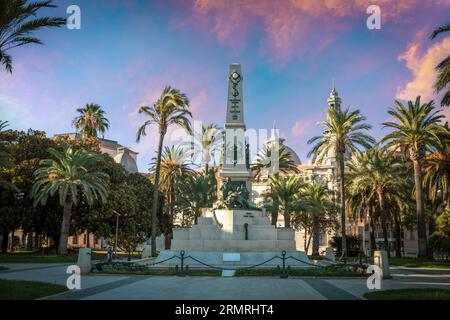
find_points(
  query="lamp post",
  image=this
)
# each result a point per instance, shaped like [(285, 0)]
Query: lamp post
[(117, 230)]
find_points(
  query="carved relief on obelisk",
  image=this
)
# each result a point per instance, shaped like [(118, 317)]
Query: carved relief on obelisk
[(235, 162)]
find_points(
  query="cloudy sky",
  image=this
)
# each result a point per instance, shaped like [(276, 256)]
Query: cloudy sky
[(290, 50)]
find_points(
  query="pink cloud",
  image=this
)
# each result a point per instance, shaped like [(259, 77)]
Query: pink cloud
[(422, 67), (303, 127), (291, 27)]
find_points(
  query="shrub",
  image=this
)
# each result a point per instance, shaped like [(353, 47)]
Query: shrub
[(353, 247)]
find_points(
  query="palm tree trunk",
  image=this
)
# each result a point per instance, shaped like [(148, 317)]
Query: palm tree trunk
[(315, 235), (5, 235), (274, 219), (308, 242), (383, 221), (206, 168), (421, 227), (155, 193), (287, 219), (342, 204), (398, 237), (65, 226)]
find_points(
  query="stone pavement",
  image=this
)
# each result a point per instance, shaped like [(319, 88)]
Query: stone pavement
[(120, 287)]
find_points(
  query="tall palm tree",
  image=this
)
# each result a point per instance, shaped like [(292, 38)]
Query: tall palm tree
[(170, 109), (66, 174), (379, 171), (443, 69), (342, 133), (91, 120), (416, 130), (205, 142), (264, 161), (284, 190), (319, 198), (18, 21)]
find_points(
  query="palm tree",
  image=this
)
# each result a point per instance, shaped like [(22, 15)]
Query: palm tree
[(318, 197), (91, 120), (363, 206), (174, 168), (66, 174), (18, 21), (170, 109), (264, 161), (284, 190), (196, 193), (4, 150), (443, 69), (342, 133), (205, 142), (416, 130), (379, 171), (436, 177)]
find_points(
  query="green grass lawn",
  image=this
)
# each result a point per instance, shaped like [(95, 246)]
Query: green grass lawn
[(409, 294), (43, 258), (27, 290), (419, 263)]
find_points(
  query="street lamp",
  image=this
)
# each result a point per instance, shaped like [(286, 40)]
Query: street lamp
[(117, 230)]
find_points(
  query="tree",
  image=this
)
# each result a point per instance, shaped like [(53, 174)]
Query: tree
[(319, 200), (91, 120), (197, 191), (443, 69), (283, 190), (18, 22), (436, 177), (416, 130), (26, 149), (378, 171), (205, 142), (170, 109), (342, 133), (265, 161), (67, 173), (173, 169)]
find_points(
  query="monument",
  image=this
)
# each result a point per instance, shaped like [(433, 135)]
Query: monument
[(234, 233)]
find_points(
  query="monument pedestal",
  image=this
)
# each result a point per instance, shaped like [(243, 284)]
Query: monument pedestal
[(244, 233)]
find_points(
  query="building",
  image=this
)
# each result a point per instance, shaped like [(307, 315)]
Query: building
[(125, 156)]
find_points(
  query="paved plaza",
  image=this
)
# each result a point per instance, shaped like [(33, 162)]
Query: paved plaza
[(121, 287)]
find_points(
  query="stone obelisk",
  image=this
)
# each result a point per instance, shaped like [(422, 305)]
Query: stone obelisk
[(235, 162)]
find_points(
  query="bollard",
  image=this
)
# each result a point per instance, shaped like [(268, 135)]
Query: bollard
[(381, 260), (284, 272), (84, 260), (182, 272)]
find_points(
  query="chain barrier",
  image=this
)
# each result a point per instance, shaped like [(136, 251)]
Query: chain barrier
[(183, 269)]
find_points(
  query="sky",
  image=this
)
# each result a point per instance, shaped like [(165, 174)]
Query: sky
[(290, 52)]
